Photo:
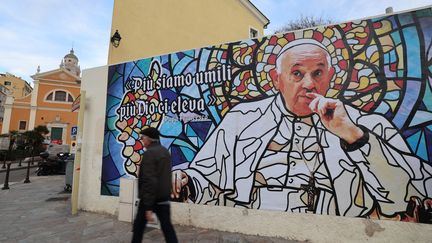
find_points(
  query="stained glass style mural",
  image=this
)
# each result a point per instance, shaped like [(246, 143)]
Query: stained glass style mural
[(272, 123)]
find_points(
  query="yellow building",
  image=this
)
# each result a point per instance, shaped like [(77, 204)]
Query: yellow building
[(16, 85), (49, 103), (150, 28)]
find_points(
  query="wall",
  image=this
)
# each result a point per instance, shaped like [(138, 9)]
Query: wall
[(232, 122), (292, 226), (93, 81), (298, 226), (20, 114), (19, 87), (157, 27), (67, 120)]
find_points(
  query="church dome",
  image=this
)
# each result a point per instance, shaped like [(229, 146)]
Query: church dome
[(71, 55), (70, 63)]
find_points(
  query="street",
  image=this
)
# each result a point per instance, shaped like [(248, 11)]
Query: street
[(17, 175)]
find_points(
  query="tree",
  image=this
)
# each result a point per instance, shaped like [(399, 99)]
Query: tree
[(36, 137), (303, 23)]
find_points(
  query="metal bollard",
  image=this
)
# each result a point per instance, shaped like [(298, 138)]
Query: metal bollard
[(27, 179), (6, 183)]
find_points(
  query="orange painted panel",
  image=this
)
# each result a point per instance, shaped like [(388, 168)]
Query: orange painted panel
[(45, 117), (45, 89), (18, 114)]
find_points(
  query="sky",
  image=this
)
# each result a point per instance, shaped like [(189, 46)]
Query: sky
[(41, 33)]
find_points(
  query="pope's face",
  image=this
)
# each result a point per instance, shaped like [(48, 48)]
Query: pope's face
[(303, 69)]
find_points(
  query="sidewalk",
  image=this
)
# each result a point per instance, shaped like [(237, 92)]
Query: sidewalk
[(40, 212)]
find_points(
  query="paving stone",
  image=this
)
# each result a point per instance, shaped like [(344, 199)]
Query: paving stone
[(27, 216)]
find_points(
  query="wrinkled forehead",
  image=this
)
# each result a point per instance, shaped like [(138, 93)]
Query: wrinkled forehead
[(304, 50)]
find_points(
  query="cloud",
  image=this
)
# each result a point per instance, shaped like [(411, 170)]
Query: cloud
[(42, 32)]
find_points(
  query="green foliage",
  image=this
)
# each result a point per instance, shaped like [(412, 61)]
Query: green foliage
[(43, 130), (26, 143), (35, 138)]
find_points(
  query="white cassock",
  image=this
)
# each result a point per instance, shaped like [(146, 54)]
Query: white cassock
[(262, 156)]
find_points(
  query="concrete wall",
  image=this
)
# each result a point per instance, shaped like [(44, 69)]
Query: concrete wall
[(94, 82), (299, 226), (296, 226)]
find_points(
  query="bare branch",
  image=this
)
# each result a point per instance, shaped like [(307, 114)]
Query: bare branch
[(303, 23)]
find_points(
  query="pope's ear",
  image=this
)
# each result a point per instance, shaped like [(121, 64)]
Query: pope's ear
[(275, 78)]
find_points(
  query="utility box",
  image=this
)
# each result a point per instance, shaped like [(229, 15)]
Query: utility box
[(128, 202), (128, 196)]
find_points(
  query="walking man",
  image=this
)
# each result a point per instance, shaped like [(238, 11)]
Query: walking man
[(154, 187)]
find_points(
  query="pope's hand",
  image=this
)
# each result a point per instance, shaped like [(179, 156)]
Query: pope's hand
[(179, 180), (334, 117)]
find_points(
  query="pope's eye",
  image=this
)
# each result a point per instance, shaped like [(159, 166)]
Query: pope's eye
[(297, 73), (318, 73)]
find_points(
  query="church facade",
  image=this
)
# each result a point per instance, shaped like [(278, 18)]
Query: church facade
[(49, 103)]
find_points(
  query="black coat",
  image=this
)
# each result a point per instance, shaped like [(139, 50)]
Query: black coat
[(155, 175)]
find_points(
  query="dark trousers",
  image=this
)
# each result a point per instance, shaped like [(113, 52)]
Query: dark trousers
[(163, 213)]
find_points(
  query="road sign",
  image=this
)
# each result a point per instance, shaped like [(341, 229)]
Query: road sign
[(74, 131)]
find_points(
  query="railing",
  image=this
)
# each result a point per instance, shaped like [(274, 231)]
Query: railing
[(16, 165)]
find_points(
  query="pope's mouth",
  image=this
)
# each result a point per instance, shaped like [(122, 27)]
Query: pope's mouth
[(305, 98)]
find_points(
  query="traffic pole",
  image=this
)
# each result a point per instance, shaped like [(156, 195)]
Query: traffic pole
[(6, 183), (27, 179), (77, 161)]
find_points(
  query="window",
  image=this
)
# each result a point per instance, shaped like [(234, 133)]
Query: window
[(56, 133), (59, 96), (253, 33), (8, 83), (22, 125)]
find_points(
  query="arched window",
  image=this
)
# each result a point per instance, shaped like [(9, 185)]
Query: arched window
[(59, 96)]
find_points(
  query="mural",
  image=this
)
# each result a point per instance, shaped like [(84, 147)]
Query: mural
[(332, 120)]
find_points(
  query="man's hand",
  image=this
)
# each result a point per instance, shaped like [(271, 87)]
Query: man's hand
[(179, 181), (334, 117)]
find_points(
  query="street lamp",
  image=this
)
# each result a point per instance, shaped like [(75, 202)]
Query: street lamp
[(115, 39)]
